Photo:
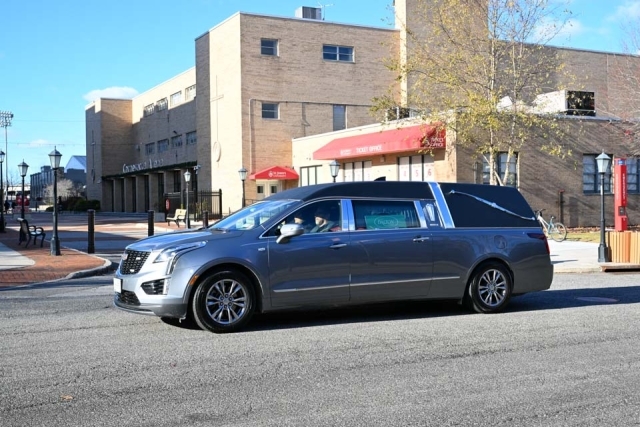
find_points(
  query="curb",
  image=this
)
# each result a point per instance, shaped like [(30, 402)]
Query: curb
[(96, 271)]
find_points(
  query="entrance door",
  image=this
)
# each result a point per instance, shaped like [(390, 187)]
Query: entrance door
[(267, 188)]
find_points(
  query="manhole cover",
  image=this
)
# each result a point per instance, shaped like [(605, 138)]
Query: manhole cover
[(597, 299)]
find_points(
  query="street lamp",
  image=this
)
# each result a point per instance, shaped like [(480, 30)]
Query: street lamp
[(243, 175), (334, 166), (23, 172), (603, 162), (187, 178), (2, 230), (54, 158)]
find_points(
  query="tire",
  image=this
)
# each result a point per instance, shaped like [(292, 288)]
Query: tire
[(558, 232), (224, 302), (490, 289)]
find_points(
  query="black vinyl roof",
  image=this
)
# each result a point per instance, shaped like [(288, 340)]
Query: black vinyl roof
[(479, 205), (383, 189)]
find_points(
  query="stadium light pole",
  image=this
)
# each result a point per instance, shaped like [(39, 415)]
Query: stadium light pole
[(2, 225), (54, 158), (5, 122)]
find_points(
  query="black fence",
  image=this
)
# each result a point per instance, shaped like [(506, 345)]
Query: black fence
[(199, 202)]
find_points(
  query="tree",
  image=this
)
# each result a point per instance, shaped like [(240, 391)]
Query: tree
[(477, 66), (66, 188)]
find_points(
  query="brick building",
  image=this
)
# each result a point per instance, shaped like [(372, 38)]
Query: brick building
[(284, 96)]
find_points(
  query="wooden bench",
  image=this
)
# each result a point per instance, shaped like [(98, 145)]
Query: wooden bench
[(30, 231), (179, 215)]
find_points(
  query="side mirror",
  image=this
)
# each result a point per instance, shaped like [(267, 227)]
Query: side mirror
[(288, 231)]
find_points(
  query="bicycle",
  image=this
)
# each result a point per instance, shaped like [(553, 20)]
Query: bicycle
[(556, 230)]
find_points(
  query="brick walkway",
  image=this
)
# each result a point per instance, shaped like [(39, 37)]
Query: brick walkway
[(46, 267)]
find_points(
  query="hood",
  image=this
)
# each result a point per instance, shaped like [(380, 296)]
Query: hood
[(166, 240)]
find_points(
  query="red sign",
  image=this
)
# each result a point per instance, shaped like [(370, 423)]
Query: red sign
[(620, 193)]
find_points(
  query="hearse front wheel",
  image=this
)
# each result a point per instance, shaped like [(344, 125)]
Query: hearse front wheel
[(224, 302), (490, 289)]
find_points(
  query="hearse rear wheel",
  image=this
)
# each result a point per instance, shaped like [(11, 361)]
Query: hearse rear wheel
[(490, 289), (224, 302)]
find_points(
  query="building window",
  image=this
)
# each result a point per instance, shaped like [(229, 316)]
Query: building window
[(309, 175), (150, 148), (416, 168), (339, 117), (337, 53), (163, 145), (633, 175), (177, 181), (581, 103), (161, 104), (176, 99), (591, 177), (149, 109), (190, 93), (269, 47), (192, 138), (176, 141), (355, 171), (269, 111), (501, 167)]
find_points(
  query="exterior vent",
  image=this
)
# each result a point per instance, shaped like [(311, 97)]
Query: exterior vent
[(306, 12)]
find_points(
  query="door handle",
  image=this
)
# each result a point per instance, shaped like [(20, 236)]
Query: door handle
[(338, 246), (420, 239)]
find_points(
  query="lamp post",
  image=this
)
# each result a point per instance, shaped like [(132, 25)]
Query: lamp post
[(2, 230), (54, 158), (334, 167), (23, 172), (243, 175), (603, 162), (187, 178)]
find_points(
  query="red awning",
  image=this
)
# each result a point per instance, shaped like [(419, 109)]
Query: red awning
[(275, 172), (410, 138)]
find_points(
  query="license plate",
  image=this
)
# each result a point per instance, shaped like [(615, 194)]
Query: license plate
[(117, 285)]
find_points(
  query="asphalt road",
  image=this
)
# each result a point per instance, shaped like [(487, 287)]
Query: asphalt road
[(564, 357)]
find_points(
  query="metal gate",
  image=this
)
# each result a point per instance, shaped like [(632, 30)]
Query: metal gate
[(199, 202)]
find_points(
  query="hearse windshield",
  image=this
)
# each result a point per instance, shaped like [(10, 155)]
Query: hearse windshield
[(254, 215)]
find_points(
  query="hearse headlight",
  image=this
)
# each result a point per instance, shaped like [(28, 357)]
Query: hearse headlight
[(178, 250)]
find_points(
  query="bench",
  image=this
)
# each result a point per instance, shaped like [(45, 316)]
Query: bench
[(30, 231), (179, 215)]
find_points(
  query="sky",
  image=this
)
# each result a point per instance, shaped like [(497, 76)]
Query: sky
[(57, 56)]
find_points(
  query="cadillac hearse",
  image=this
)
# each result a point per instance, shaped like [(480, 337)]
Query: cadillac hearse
[(342, 244)]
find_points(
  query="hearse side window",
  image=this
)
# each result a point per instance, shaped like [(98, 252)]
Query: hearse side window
[(384, 214), (328, 213), (431, 213)]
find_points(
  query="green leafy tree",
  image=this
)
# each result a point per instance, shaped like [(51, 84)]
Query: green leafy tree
[(477, 67)]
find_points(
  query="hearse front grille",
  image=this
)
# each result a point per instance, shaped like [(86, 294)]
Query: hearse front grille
[(128, 298), (132, 261)]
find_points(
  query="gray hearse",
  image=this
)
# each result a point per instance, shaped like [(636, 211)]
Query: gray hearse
[(340, 244)]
